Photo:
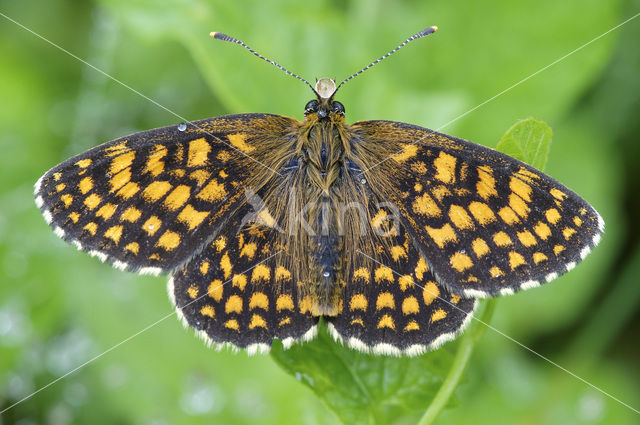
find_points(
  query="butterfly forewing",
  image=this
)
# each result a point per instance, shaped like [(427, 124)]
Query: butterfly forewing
[(151, 200), (486, 223)]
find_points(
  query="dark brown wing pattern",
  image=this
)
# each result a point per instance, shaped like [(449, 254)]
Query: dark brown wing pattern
[(150, 201), (486, 223)]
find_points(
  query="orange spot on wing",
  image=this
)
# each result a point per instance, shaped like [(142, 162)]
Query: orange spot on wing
[(155, 163), (239, 141), (459, 217), (198, 153), (385, 299), (177, 197), (259, 300), (92, 201), (527, 239), (443, 235), (67, 200), (445, 165), (383, 273), (114, 233), (425, 205), (358, 302), (552, 215), (169, 240), (481, 212), (133, 247), (410, 306), (233, 305), (439, 314), (408, 151), (430, 292), (85, 185), (480, 247), (156, 190), (461, 262), (213, 191), (208, 310), (542, 230), (257, 321), (106, 211), (284, 302), (515, 260), (192, 217), (215, 289), (131, 214), (486, 186), (502, 239), (386, 322)]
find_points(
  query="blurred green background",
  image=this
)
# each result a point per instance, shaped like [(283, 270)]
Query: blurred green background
[(59, 307)]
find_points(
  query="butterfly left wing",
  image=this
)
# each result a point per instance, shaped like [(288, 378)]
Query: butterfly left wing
[(151, 200), (486, 223), (239, 292)]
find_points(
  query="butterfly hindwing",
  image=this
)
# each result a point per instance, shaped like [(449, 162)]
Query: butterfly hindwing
[(486, 223), (394, 305), (149, 201), (237, 291)]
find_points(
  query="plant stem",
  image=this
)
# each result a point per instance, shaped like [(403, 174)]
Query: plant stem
[(459, 363)]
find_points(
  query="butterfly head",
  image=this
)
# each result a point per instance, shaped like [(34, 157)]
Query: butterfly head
[(324, 105)]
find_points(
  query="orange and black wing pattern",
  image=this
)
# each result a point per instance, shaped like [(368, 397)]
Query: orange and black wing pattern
[(392, 303), (237, 291), (486, 223), (150, 201)]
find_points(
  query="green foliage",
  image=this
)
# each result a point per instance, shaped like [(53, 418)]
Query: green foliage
[(361, 388), (529, 140)]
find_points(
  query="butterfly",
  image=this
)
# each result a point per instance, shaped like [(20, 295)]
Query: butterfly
[(388, 232)]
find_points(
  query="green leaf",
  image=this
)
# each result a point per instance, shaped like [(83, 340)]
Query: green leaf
[(529, 140), (361, 388)]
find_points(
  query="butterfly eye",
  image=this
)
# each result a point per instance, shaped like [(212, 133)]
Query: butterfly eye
[(337, 107), (310, 107)]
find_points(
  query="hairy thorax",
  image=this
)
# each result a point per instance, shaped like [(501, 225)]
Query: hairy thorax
[(319, 208)]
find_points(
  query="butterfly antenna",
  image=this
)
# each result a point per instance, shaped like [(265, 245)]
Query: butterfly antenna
[(425, 32), (225, 37)]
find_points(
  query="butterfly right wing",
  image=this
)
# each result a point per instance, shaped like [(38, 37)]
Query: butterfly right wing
[(392, 302), (151, 200), (487, 223)]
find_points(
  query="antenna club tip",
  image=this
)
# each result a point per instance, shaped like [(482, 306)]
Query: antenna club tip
[(221, 36), (427, 31)]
